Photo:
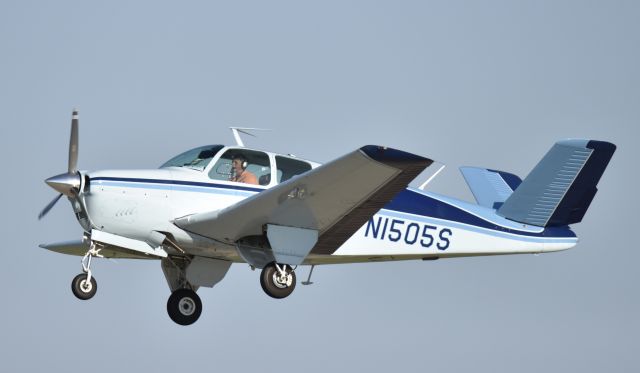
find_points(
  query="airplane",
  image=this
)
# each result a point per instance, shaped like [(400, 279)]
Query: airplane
[(215, 205)]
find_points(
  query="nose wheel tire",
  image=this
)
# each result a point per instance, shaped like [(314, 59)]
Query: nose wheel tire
[(276, 283), (184, 306), (82, 288)]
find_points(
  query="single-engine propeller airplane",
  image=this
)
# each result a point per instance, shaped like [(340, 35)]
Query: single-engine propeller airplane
[(216, 205)]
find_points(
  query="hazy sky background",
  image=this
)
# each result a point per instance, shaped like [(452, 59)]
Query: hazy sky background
[(484, 83)]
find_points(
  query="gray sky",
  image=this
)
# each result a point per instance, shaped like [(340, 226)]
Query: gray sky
[(490, 83)]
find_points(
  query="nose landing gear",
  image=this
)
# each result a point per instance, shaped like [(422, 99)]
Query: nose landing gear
[(278, 280), (84, 286)]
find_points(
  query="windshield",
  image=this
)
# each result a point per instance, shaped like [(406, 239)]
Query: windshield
[(196, 159)]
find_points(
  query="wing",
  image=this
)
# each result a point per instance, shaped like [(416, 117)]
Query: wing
[(114, 246), (332, 201), (79, 248)]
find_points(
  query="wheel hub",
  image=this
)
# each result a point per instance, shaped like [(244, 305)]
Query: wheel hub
[(86, 286), (282, 280), (187, 306)]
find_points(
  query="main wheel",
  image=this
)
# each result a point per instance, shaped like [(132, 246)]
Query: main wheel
[(82, 288), (275, 284), (184, 306)]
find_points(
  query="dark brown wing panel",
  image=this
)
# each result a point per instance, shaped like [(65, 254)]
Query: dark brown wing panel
[(410, 165)]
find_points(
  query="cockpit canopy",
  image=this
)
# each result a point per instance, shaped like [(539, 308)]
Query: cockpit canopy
[(196, 159), (258, 167)]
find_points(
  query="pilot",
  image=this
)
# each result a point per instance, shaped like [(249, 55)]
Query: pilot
[(240, 173)]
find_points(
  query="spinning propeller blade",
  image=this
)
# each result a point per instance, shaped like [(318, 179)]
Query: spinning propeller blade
[(48, 207), (68, 183)]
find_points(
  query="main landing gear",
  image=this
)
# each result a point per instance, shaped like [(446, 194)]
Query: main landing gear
[(278, 280), (184, 306), (84, 285)]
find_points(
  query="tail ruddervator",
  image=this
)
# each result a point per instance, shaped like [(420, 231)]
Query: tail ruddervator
[(559, 190)]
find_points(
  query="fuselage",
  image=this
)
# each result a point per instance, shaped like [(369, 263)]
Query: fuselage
[(414, 225)]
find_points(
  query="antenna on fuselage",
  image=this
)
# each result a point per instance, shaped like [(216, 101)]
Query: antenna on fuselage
[(424, 185), (238, 130)]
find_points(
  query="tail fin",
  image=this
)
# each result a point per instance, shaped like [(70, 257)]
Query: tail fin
[(559, 190), (490, 187)]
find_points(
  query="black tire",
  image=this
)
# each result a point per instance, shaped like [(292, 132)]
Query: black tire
[(83, 290), (184, 306), (271, 287)]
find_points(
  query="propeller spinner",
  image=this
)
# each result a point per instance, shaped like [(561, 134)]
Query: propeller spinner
[(69, 182)]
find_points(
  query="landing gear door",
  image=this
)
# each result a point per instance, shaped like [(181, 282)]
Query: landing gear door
[(290, 245)]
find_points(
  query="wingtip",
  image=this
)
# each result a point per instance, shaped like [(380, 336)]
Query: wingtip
[(385, 154)]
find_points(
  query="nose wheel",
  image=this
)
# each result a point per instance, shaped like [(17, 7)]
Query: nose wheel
[(84, 285), (278, 280), (184, 306)]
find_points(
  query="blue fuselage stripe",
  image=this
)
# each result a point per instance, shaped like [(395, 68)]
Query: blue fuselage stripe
[(411, 202), (177, 182)]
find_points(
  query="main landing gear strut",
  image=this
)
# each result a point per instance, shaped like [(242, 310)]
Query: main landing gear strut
[(84, 285)]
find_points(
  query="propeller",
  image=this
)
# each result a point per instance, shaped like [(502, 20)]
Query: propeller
[(73, 144), (69, 182), (48, 207)]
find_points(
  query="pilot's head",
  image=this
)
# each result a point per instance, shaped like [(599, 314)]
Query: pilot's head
[(239, 163)]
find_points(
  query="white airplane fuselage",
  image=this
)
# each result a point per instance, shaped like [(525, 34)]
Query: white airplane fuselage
[(415, 225)]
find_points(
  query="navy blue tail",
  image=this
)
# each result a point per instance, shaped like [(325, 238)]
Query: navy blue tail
[(579, 196)]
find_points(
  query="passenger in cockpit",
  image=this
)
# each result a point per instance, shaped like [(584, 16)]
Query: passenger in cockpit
[(240, 174)]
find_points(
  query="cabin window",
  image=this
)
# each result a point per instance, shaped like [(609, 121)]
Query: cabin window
[(289, 167), (243, 166), (196, 159)]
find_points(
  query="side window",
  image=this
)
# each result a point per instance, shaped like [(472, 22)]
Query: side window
[(288, 168), (242, 166)]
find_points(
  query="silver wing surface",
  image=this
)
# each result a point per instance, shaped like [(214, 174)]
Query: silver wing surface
[(79, 248), (332, 201)]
